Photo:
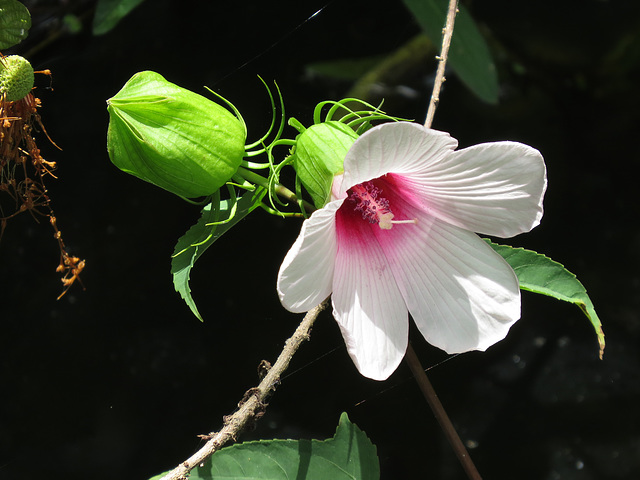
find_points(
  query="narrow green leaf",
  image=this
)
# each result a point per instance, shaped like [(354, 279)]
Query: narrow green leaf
[(110, 12), (539, 274), (350, 69), (349, 455), (15, 22), (202, 235), (469, 55)]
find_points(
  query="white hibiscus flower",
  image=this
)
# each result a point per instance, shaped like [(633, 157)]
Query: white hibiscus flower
[(397, 238)]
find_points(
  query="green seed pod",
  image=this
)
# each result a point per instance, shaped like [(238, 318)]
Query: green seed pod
[(173, 138), (319, 155), (16, 77)]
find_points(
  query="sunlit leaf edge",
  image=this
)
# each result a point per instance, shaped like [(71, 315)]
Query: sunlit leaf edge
[(201, 236), (527, 264)]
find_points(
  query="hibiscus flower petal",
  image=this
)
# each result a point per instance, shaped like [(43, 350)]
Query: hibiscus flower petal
[(367, 304), (492, 188), (306, 274), (394, 147), (461, 294)]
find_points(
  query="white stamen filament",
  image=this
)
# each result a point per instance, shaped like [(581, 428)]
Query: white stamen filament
[(386, 221)]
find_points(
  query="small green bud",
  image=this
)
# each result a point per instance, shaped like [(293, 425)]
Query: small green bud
[(319, 155), (16, 77), (172, 137)]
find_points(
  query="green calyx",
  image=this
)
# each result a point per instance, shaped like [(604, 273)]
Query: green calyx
[(319, 155), (172, 137), (16, 77), (318, 152)]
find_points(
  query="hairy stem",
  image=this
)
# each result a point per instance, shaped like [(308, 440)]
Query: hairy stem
[(252, 406), (444, 54)]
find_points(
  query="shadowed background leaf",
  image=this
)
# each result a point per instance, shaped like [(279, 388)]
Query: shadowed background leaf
[(15, 22), (469, 56), (110, 12)]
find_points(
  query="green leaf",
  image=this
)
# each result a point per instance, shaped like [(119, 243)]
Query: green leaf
[(469, 55), (539, 274), (349, 455), (110, 12), (72, 23), (345, 69), (15, 22), (202, 235)]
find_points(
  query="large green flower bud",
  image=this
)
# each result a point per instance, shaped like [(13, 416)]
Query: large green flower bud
[(16, 77), (172, 137), (319, 155)]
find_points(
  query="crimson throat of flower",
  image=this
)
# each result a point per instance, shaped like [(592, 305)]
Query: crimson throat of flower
[(373, 207)]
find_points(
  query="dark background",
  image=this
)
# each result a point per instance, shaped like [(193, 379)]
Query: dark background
[(117, 381)]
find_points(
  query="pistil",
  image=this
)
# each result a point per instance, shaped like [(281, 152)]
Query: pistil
[(373, 207)]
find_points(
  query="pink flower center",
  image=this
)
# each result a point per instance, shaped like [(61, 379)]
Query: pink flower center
[(373, 207)]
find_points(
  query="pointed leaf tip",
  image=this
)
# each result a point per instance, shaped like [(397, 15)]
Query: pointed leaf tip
[(349, 455), (203, 234), (537, 273)]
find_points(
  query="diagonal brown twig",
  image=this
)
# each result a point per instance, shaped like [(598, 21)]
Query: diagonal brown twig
[(411, 358), (252, 406), (447, 34)]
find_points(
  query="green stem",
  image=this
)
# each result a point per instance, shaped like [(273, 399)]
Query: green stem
[(280, 190)]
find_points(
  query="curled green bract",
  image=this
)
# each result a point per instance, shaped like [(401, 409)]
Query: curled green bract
[(173, 138), (317, 154)]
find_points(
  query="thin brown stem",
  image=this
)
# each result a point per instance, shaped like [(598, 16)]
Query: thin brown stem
[(252, 406), (441, 415), (411, 357), (444, 55)]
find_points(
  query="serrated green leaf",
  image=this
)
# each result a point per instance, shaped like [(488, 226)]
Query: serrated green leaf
[(539, 274), (469, 55), (15, 22), (110, 12), (202, 235), (349, 455)]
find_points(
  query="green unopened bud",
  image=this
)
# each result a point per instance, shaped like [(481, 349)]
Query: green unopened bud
[(172, 137), (16, 77), (319, 155)]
